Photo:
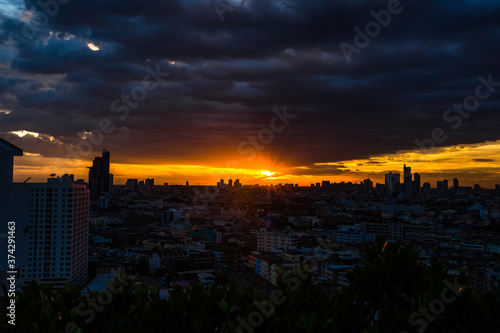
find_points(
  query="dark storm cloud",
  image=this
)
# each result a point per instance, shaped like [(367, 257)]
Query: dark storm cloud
[(483, 160), (320, 170), (229, 75)]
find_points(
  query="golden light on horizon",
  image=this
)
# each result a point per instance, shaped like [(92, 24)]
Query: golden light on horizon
[(267, 173), (476, 163)]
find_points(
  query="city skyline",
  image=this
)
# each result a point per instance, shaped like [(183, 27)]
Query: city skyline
[(211, 175)]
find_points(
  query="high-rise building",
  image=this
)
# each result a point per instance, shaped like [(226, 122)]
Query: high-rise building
[(58, 232), (445, 185), (52, 221), (409, 189), (230, 183), (100, 180), (367, 186), (416, 182), (455, 184), (392, 183), (150, 183), (221, 183), (131, 184), (440, 187), (187, 183), (325, 183), (14, 205), (237, 183), (7, 153), (407, 174)]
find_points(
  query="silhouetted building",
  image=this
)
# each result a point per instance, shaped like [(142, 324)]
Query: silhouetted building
[(100, 180), (445, 185), (406, 174), (416, 182), (440, 187), (455, 184), (325, 183), (131, 184), (187, 183), (367, 186), (150, 183), (230, 183), (409, 189), (237, 183), (392, 183), (7, 153)]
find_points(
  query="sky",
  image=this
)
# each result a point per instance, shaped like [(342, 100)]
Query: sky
[(264, 91)]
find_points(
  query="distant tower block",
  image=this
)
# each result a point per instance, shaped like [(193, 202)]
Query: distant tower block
[(100, 180)]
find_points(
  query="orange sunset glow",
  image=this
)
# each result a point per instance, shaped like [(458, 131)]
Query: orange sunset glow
[(471, 163)]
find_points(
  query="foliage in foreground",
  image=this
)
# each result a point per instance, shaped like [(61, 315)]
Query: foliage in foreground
[(392, 292)]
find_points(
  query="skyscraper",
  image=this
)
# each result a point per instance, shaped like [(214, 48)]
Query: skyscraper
[(392, 182), (416, 182), (455, 184), (100, 180), (52, 222), (440, 187), (58, 232), (407, 174), (408, 185), (230, 183)]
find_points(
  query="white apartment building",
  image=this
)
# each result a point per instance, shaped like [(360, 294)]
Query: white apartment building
[(58, 233), (270, 241)]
